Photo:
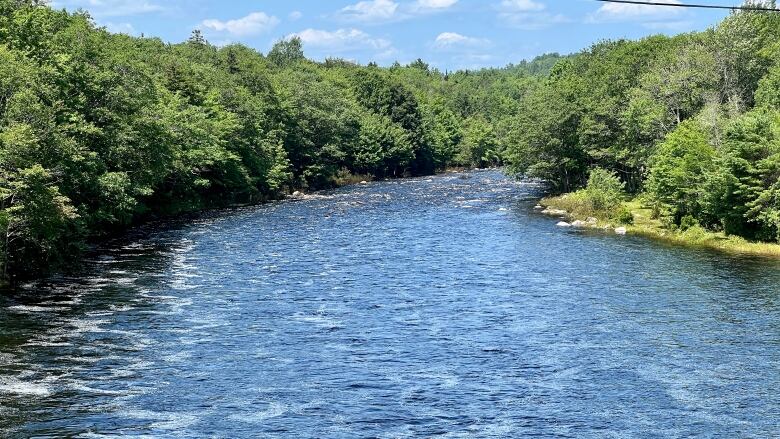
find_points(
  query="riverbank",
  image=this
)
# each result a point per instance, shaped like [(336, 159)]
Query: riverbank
[(645, 225), (342, 179)]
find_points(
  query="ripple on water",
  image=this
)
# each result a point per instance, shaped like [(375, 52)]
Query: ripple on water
[(392, 310), (38, 389)]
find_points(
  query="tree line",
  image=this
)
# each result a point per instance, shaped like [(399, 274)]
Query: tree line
[(690, 124), (99, 131)]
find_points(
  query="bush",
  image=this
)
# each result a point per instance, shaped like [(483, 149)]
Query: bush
[(624, 216), (605, 190), (603, 197), (688, 222)]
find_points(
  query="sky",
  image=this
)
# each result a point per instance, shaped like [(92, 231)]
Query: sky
[(448, 34)]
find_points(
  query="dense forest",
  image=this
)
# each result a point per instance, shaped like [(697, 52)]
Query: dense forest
[(690, 123), (100, 131)]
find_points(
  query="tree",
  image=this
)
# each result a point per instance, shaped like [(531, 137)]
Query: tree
[(35, 216), (742, 193), (384, 148), (679, 170), (286, 52), (480, 145)]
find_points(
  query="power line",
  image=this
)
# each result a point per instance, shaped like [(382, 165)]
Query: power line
[(700, 6)]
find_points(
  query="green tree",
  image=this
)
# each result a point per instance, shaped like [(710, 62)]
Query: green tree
[(679, 170), (286, 52), (480, 146)]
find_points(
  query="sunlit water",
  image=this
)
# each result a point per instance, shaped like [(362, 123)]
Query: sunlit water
[(440, 307)]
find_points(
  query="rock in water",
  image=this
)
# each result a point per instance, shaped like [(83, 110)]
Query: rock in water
[(563, 224), (297, 194), (621, 231), (363, 182), (579, 223)]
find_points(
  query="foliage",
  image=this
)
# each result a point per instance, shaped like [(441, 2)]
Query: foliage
[(604, 190), (100, 131), (479, 146), (691, 120), (679, 171), (624, 216)]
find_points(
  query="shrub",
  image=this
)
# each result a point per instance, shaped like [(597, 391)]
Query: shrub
[(624, 216), (605, 190), (688, 222)]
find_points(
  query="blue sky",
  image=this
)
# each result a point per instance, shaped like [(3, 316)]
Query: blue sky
[(449, 34)]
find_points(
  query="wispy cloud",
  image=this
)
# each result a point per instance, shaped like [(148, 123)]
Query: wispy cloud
[(422, 5), (621, 12), (111, 8), (253, 24), (527, 15), (120, 28), (522, 6), (454, 40), (341, 40), (388, 11), (370, 11)]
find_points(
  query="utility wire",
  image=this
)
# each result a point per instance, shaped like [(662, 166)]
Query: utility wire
[(700, 6)]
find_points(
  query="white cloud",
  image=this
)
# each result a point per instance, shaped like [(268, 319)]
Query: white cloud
[(387, 11), (120, 28), (342, 40), (110, 8), (435, 4), (370, 11), (448, 40), (522, 6), (615, 12), (253, 24), (295, 15), (527, 15)]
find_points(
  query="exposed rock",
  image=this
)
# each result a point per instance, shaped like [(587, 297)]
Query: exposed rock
[(297, 194), (592, 221), (556, 212), (563, 224), (538, 207), (621, 231), (579, 223), (363, 182)]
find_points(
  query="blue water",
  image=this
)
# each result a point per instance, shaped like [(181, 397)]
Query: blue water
[(440, 307)]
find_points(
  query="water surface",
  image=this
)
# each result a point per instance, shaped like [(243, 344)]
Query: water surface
[(440, 307)]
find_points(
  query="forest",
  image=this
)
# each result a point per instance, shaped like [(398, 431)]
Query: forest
[(101, 131), (689, 125)]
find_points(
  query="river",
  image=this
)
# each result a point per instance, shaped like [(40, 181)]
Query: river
[(438, 307)]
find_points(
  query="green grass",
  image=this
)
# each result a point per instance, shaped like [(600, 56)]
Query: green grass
[(647, 226)]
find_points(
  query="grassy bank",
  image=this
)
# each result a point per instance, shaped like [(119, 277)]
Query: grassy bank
[(645, 225)]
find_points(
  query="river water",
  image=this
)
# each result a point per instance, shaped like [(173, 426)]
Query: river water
[(440, 307)]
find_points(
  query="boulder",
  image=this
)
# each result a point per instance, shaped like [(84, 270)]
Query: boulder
[(363, 182), (297, 194), (538, 207), (621, 231), (563, 224), (579, 223), (592, 221)]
